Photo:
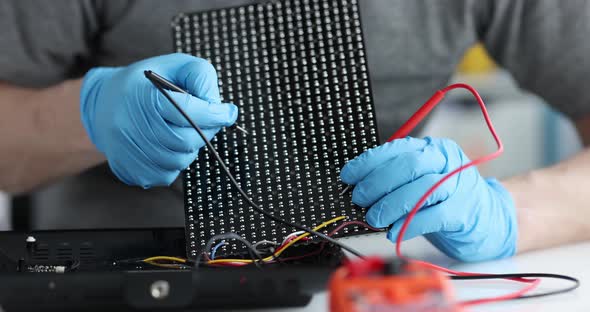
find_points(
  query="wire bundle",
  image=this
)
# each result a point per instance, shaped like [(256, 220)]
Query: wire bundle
[(288, 242)]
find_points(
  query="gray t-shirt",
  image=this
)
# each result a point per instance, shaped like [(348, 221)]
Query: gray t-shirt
[(413, 47)]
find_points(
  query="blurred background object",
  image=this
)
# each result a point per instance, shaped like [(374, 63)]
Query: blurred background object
[(534, 134), (5, 218)]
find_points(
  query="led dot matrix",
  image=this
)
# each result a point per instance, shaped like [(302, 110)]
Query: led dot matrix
[(298, 73)]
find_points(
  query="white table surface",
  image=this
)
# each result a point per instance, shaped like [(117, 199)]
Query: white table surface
[(573, 260)]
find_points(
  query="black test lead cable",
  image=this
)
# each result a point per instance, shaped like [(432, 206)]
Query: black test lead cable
[(575, 281), (160, 84), (166, 84)]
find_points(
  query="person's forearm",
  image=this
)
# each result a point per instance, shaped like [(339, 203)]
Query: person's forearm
[(553, 204), (41, 136)]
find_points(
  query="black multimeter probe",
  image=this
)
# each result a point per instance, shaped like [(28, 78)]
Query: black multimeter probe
[(160, 84)]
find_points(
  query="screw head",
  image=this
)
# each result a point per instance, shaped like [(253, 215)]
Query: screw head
[(160, 290)]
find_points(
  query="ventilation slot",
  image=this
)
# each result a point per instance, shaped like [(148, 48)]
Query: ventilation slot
[(87, 253), (64, 252), (41, 252)]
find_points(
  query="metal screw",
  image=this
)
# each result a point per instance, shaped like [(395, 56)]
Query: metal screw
[(160, 290)]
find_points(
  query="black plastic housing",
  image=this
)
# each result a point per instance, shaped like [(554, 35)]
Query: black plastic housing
[(102, 283)]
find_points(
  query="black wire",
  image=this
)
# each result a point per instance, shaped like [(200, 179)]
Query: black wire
[(74, 266), (227, 236), (576, 282), (156, 81), (230, 235)]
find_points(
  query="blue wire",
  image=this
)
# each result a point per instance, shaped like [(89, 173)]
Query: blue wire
[(215, 249)]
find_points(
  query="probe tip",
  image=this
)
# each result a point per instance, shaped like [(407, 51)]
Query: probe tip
[(242, 130), (345, 190)]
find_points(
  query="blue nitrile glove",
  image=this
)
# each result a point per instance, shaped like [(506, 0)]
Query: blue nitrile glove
[(144, 138), (468, 217)]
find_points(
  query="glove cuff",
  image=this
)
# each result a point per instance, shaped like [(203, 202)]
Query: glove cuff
[(507, 202), (89, 93)]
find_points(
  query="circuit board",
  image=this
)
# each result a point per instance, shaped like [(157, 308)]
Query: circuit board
[(298, 73)]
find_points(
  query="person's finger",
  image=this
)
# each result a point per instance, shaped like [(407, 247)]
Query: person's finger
[(150, 144), (146, 174), (424, 222), (175, 138), (198, 141), (199, 78), (358, 168), (193, 74), (203, 113), (395, 205), (398, 171), (171, 160)]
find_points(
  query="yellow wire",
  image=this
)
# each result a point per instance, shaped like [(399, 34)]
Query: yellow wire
[(163, 265), (279, 252), (157, 258), (269, 258)]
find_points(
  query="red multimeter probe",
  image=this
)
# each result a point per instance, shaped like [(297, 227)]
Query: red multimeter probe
[(414, 285)]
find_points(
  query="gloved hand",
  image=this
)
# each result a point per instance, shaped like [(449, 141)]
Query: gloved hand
[(468, 217), (144, 138)]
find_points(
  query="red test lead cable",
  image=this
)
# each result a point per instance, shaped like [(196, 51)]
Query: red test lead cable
[(404, 130)]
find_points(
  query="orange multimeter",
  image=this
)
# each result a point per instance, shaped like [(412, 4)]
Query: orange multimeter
[(377, 285)]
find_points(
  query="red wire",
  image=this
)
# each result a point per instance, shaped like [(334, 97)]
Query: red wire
[(334, 231), (456, 171), (353, 222), (280, 248), (534, 283), (413, 121)]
